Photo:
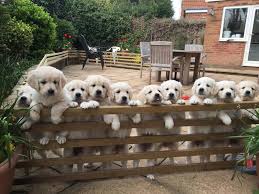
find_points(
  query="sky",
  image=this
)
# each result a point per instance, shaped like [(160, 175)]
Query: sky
[(177, 8)]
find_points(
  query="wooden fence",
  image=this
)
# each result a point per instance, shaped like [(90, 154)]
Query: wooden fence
[(29, 165)]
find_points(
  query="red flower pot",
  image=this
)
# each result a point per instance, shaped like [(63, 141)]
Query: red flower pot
[(7, 173)]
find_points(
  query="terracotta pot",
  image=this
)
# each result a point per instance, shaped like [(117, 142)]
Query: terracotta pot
[(7, 173)]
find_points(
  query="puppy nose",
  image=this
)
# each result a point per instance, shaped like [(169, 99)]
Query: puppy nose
[(171, 95), (228, 94), (98, 92), (23, 98), (248, 92), (78, 95), (157, 95), (201, 89), (124, 98), (50, 91)]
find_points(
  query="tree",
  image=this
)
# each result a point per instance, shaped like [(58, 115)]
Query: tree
[(164, 9)]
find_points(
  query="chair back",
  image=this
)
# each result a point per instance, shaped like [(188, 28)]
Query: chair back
[(83, 42), (161, 53), (145, 49), (194, 47)]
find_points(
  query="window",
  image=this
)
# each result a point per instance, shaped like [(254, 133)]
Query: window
[(234, 24)]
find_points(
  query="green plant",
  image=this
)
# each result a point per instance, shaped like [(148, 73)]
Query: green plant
[(11, 135), (44, 27)]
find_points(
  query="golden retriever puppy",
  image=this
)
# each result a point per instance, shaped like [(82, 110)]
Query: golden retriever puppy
[(247, 91), (121, 94), (203, 93), (151, 95), (48, 82), (172, 91)]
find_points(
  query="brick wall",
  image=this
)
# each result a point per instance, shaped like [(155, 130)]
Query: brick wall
[(194, 4), (228, 54)]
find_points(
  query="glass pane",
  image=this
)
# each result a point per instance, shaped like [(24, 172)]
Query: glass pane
[(234, 23), (254, 46)]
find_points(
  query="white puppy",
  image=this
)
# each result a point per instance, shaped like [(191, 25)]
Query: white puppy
[(151, 95), (203, 92), (247, 91), (121, 94), (48, 82), (172, 91)]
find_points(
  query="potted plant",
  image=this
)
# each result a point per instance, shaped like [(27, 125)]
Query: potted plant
[(12, 141)]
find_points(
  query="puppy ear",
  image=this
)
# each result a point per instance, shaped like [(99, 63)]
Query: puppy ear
[(130, 93), (107, 85), (141, 96), (215, 89), (32, 80), (62, 80), (181, 90), (194, 88)]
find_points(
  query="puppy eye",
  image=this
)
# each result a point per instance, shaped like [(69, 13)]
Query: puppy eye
[(221, 89), (208, 85), (43, 82), (176, 89), (243, 88), (232, 88), (167, 89), (118, 91), (55, 82), (93, 85), (253, 89), (127, 92), (73, 89), (150, 92), (199, 84), (103, 86), (82, 89), (159, 91)]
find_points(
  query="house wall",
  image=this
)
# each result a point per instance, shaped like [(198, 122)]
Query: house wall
[(194, 4), (229, 54)]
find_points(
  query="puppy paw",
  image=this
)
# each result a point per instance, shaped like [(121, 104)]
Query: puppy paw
[(107, 119), (227, 121), (208, 101), (61, 139), (169, 124), (115, 125), (166, 102), (136, 119), (73, 104), (44, 141), (26, 125), (194, 101), (151, 176), (56, 120), (180, 102), (134, 103), (35, 116), (90, 104)]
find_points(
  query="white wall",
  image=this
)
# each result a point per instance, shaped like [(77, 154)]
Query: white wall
[(177, 5)]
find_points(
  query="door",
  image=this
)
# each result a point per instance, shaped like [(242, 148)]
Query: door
[(251, 57)]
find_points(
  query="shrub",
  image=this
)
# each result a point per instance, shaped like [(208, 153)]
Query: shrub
[(17, 37), (44, 32), (64, 27)]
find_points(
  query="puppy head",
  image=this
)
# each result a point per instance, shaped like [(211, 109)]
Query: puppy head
[(121, 93), (204, 87), (171, 90), (98, 87), (226, 90), (76, 90), (151, 94), (48, 81), (247, 90), (25, 94)]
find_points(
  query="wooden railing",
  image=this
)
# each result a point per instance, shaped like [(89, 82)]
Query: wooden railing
[(154, 124)]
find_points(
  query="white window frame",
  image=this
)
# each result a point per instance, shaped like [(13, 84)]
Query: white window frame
[(244, 39)]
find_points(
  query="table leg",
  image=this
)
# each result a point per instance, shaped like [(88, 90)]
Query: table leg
[(186, 69), (158, 76), (196, 67)]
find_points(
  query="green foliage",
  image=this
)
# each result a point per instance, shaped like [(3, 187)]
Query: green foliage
[(44, 27), (17, 37)]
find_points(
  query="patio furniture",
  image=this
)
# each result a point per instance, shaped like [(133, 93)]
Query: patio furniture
[(186, 67), (161, 58), (145, 55), (90, 52), (197, 47)]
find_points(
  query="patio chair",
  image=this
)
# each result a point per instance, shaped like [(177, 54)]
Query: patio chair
[(198, 47), (145, 55), (91, 52), (161, 58)]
